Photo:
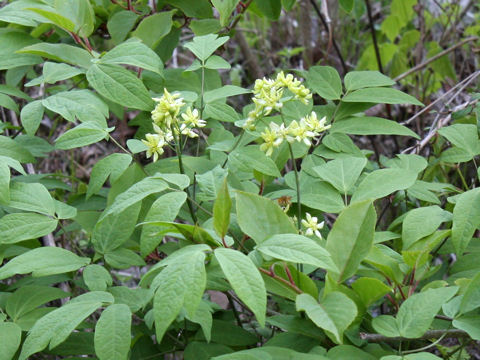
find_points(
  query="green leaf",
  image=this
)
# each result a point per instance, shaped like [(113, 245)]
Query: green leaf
[(381, 95), (120, 24), (31, 116), (466, 219), (422, 222), (215, 62), (60, 52), (193, 8), (4, 183), (245, 280), (471, 296), (224, 92), (205, 26), (9, 148), (270, 8), (136, 146), (123, 258), (81, 135), (14, 164), (15, 13), (347, 6), (115, 229), (261, 218), (417, 312), (334, 314), (11, 42), (351, 238), (8, 103), (297, 249), (120, 86), (325, 81), (203, 317), (10, 338), (370, 290), (152, 29), (55, 18), (83, 105), (225, 9), (42, 262), (80, 12), (137, 192), (53, 72), (355, 80), (221, 210), (470, 324), (134, 53), (367, 125), (386, 325), (29, 297), (180, 284), (112, 165), (18, 227), (31, 197), (96, 277), (204, 46), (383, 182), (464, 136), (165, 208), (222, 112), (112, 333), (341, 173), (250, 158), (56, 326)]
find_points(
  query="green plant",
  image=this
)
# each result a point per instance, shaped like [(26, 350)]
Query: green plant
[(235, 223)]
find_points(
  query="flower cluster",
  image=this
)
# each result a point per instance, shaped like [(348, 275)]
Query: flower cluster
[(304, 130), (168, 126), (268, 93), (312, 226)]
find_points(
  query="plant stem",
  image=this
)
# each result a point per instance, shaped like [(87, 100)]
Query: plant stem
[(374, 36), (182, 171), (286, 282), (237, 142), (431, 334), (297, 185)]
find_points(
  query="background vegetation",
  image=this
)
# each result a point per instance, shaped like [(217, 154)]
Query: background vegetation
[(334, 217)]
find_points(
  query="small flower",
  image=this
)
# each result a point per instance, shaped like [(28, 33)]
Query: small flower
[(192, 118), (312, 226), (299, 132), (167, 109), (315, 125), (155, 144)]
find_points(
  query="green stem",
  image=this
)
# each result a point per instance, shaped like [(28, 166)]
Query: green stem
[(237, 142), (182, 171), (462, 178), (297, 185)]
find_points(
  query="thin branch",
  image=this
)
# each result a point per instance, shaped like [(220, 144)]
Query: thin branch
[(429, 106), (431, 334), (374, 36), (436, 57), (437, 124), (282, 280), (334, 43)]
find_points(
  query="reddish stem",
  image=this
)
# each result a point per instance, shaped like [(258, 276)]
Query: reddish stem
[(282, 280)]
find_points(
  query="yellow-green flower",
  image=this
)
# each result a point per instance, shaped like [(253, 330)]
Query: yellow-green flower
[(312, 226), (272, 139), (167, 109), (155, 144), (192, 118), (315, 125), (299, 132)]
